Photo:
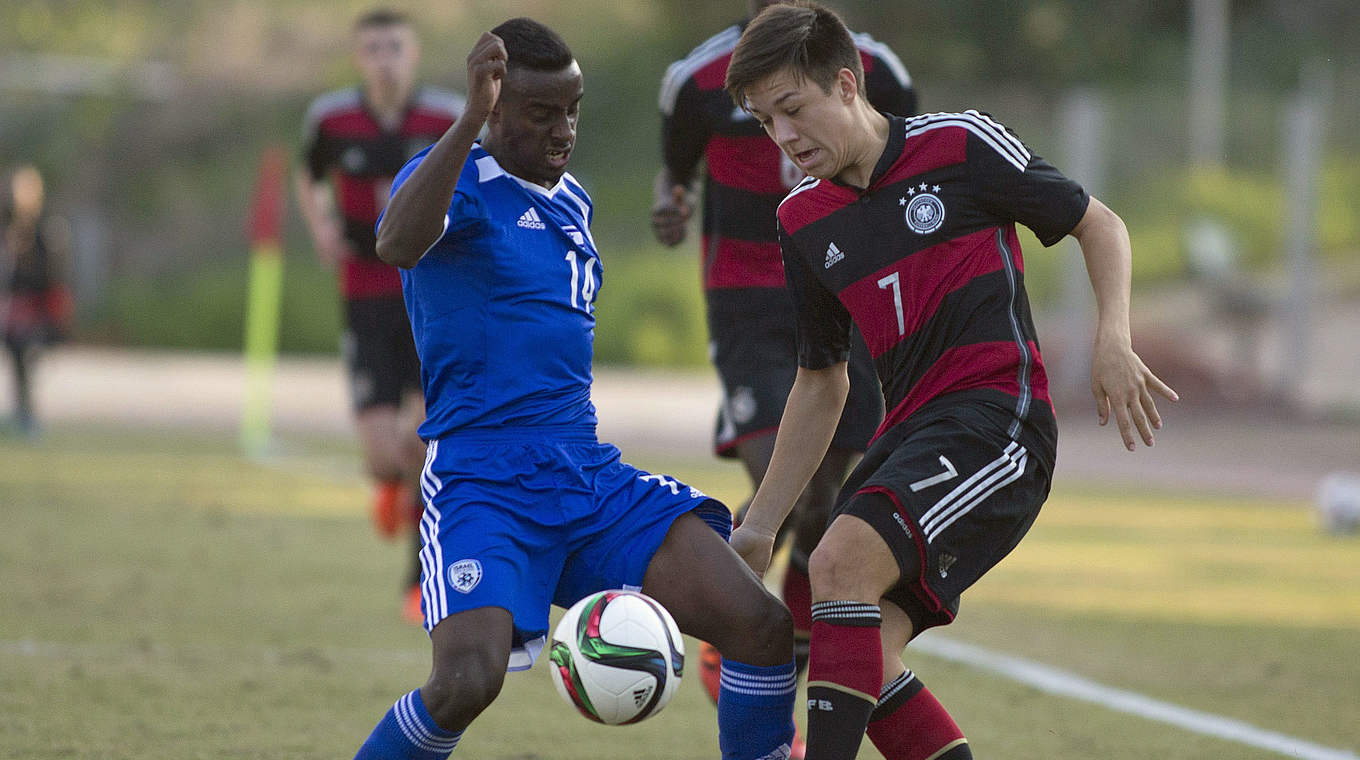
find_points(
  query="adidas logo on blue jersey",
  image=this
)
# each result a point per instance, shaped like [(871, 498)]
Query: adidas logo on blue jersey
[(833, 254), (529, 220)]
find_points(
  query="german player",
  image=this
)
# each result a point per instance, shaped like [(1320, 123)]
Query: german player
[(524, 507), (750, 317), (906, 229), (355, 141)]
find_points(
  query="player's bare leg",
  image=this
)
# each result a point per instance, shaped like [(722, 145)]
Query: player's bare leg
[(471, 650), (720, 600), (381, 441), (393, 457), (412, 414)]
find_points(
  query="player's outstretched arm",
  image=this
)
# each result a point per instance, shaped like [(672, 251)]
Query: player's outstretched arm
[(414, 218), (805, 431), (1121, 383)]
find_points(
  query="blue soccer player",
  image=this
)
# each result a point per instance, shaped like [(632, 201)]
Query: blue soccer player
[(524, 508)]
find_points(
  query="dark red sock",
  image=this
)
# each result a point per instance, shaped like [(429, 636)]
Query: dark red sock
[(911, 724), (797, 593), (844, 677)]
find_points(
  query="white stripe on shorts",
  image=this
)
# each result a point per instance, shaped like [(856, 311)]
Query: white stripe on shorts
[(431, 554), (997, 474)]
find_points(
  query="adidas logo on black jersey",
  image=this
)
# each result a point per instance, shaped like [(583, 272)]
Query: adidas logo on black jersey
[(833, 254), (529, 220)]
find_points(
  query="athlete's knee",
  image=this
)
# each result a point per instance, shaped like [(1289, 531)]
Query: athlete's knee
[(759, 632), (461, 686), (851, 562)]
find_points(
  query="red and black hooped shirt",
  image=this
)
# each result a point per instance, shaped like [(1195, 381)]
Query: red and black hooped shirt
[(926, 263), (344, 141), (746, 173)]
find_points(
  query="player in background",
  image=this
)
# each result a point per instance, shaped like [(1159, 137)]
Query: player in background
[(35, 303), (355, 140), (524, 507), (922, 211), (750, 318)]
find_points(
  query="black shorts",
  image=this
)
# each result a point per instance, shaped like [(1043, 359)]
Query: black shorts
[(379, 352), (960, 494), (753, 346)]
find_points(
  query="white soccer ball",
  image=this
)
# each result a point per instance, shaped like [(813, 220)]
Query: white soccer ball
[(617, 657), (1338, 503)]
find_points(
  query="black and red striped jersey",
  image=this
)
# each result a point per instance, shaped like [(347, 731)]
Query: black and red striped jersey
[(344, 142), (926, 263), (746, 174)]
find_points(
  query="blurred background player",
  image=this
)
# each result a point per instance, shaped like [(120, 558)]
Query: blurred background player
[(925, 210), (526, 507), (356, 139), (35, 303), (750, 317)]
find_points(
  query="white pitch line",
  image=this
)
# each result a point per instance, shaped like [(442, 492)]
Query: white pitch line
[(1061, 683)]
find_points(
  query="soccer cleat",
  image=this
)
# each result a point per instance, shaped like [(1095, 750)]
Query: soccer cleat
[(798, 750), (410, 607), (710, 669)]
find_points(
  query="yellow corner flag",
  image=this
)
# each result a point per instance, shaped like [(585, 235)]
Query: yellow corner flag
[(263, 299)]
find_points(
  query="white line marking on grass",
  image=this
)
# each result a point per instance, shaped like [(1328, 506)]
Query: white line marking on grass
[(1054, 681)]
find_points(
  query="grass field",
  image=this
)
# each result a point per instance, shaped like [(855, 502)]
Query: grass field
[(163, 597)]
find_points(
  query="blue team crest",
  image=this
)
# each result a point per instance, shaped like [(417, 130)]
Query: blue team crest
[(464, 575)]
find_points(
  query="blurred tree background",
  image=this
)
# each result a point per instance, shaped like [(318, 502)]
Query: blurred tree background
[(148, 118)]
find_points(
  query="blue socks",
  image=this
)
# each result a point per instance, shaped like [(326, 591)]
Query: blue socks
[(407, 732), (755, 711)]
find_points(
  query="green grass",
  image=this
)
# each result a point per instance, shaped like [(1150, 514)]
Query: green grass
[(163, 597)]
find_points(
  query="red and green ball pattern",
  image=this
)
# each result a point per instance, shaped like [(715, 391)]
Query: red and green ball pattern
[(593, 647)]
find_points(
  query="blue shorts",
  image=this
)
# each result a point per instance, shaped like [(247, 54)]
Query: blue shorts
[(523, 519)]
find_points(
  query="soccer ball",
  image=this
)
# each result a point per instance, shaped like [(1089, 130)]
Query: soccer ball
[(617, 656), (1338, 503)]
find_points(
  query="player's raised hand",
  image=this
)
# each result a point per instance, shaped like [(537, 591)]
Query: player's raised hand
[(485, 70), (671, 211), (754, 548), (1123, 386)]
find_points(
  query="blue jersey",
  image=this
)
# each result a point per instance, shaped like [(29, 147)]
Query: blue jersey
[(501, 305)]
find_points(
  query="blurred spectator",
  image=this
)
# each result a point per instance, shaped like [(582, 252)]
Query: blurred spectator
[(35, 303)]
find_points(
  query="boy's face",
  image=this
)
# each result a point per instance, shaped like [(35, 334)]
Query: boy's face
[(814, 128), (387, 57), (532, 130)]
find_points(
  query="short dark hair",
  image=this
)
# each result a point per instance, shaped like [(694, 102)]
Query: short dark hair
[(533, 45), (803, 37), (381, 17)]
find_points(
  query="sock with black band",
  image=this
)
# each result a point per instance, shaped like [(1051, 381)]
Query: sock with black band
[(909, 723), (845, 673)]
